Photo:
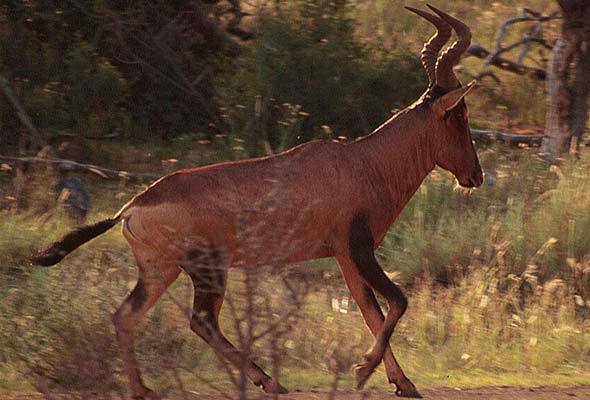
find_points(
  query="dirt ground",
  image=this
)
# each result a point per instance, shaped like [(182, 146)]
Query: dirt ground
[(503, 393), (543, 393), (507, 393)]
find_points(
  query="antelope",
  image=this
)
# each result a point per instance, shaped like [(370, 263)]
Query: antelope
[(350, 195)]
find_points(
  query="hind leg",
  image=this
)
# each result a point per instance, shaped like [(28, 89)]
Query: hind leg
[(209, 284), (151, 283)]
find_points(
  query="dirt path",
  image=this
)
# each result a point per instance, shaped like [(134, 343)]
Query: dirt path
[(507, 393), (510, 393)]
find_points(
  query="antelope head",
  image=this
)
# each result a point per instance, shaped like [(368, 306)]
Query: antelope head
[(447, 113)]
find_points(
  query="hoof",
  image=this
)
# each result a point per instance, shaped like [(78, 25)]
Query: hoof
[(362, 372), (408, 390), (273, 386)]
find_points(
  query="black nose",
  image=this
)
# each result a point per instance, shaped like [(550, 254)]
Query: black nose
[(477, 179), (473, 181)]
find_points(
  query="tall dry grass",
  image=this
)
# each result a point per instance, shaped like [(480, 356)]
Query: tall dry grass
[(498, 281)]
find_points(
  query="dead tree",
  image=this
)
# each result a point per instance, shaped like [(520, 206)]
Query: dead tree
[(568, 82), (566, 70)]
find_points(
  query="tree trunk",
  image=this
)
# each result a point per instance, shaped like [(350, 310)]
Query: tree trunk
[(568, 82)]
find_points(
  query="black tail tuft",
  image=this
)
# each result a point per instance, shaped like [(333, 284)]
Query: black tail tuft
[(58, 250)]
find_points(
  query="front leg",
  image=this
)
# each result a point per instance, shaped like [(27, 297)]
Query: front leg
[(361, 259), (373, 316)]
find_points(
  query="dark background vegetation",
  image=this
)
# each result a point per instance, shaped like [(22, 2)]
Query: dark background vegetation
[(151, 71)]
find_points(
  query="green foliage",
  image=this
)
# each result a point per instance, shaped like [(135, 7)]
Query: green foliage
[(95, 93), (312, 58), (80, 92), (346, 64), (87, 68)]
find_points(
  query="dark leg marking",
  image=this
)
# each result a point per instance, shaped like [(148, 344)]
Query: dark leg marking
[(138, 295), (206, 268), (360, 240), (361, 245)]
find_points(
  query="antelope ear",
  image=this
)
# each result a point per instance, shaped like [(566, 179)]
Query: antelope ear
[(449, 100)]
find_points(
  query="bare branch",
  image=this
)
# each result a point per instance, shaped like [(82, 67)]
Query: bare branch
[(508, 65), (533, 37)]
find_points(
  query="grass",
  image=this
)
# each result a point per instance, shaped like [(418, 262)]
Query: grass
[(498, 281), (297, 379)]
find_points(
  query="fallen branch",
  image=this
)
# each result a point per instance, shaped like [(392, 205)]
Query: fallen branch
[(512, 138), (73, 165)]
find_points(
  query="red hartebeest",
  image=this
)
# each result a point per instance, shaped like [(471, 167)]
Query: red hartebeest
[(350, 194)]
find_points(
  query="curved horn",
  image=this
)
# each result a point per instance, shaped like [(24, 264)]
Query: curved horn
[(431, 48), (445, 76)]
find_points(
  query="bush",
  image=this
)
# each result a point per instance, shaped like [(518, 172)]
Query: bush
[(312, 59)]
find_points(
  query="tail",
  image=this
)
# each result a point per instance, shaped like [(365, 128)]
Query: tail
[(58, 250)]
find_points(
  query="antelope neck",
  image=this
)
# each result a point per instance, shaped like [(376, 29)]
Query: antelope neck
[(400, 152)]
